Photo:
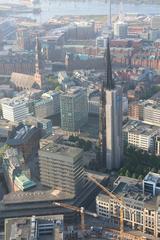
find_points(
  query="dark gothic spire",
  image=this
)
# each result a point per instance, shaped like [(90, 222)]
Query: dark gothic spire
[(38, 56), (109, 82)]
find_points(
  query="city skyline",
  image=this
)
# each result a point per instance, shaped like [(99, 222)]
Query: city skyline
[(79, 120)]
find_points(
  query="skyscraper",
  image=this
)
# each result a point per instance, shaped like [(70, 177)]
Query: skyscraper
[(111, 119)]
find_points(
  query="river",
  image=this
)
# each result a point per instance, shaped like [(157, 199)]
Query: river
[(51, 8)]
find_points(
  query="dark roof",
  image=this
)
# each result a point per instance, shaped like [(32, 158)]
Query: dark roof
[(21, 135), (108, 82)]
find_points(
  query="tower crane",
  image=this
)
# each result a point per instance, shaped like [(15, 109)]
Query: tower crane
[(122, 206), (80, 210)]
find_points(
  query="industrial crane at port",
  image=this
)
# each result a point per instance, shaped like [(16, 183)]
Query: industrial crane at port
[(122, 206)]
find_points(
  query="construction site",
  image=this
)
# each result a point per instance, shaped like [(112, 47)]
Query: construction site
[(129, 212)]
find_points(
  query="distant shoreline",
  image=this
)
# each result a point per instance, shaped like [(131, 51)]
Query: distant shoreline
[(155, 2)]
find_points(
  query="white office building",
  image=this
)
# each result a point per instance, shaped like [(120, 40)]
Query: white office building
[(120, 29), (140, 135), (15, 109), (151, 183)]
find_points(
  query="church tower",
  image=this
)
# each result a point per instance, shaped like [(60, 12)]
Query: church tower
[(39, 66), (111, 118)]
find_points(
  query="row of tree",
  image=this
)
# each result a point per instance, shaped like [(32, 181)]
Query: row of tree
[(138, 163), (81, 143)]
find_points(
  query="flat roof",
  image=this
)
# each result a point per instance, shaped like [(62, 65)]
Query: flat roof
[(73, 91), (21, 134), (139, 127), (152, 177), (130, 190), (21, 228), (62, 150), (35, 196)]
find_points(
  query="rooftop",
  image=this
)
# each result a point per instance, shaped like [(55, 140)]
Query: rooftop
[(139, 127), (131, 191), (23, 228), (33, 196), (62, 150), (73, 91), (21, 134), (152, 177), (23, 182)]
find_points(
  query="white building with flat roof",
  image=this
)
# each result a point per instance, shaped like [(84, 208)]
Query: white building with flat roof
[(140, 135), (151, 183), (15, 109)]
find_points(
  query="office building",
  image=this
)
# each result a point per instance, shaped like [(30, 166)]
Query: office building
[(74, 109), (48, 105), (24, 38), (15, 109), (140, 135), (101, 42), (44, 125), (94, 105), (120, 29), (151, 184), (151, 113), (111, 119), (43, 108), (61, 168), (35, 228), (142, 211), (55, 96)]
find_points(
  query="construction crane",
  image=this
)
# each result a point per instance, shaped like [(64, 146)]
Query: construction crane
[(122, 206), (81, 211)]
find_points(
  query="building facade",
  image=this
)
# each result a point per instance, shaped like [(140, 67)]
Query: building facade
[(15, 109), (74, 109), (61, 168), (135, 111), (142, 212), (120, 29), (151, 113), (114, 128), (140, 135)]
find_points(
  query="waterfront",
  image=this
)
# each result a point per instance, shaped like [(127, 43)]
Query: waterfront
[(52, 8)]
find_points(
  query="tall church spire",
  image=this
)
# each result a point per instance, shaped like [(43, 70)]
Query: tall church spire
[(109, 82), (39, 75), (38, 57)]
